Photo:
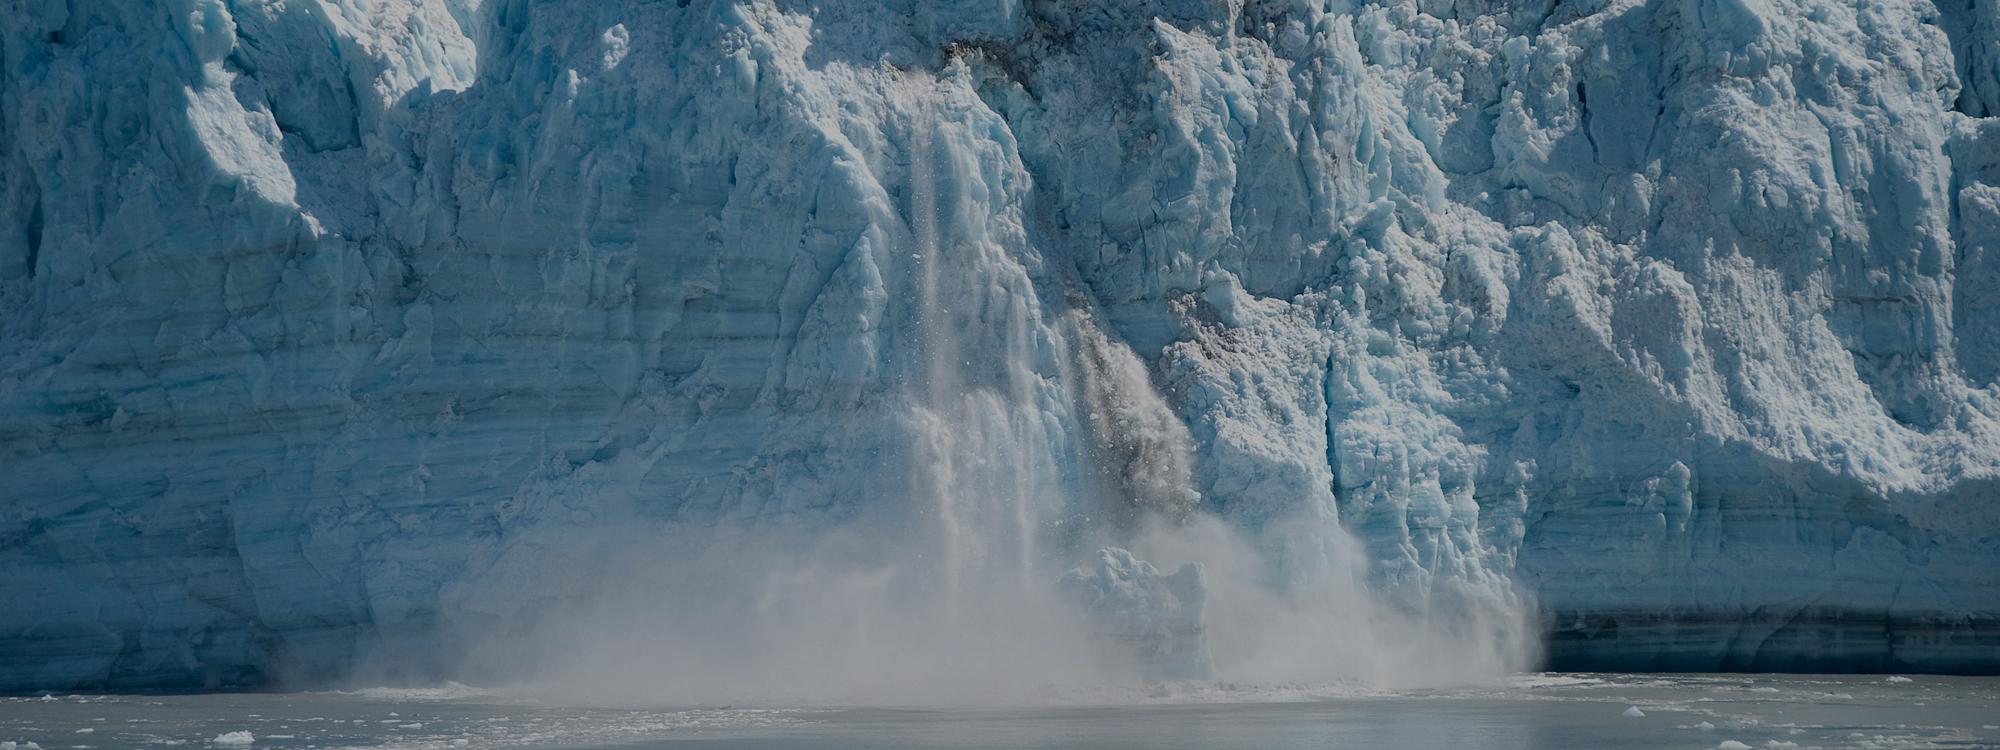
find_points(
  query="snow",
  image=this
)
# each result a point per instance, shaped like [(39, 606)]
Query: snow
[(331, 326)]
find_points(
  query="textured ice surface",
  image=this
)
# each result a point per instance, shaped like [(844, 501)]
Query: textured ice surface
[(324, 320)]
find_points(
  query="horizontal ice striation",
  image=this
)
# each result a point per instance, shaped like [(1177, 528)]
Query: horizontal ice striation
[(322, 317)]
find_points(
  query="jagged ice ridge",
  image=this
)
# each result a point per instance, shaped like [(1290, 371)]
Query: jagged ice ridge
[(1677, 321)]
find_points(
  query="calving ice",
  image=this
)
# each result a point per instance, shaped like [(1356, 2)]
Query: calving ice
[(814, 350)]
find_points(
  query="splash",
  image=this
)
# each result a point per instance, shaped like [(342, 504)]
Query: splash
[(1038, 486)]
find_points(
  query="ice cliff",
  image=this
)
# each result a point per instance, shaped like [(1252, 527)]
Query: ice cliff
[(324, 321)]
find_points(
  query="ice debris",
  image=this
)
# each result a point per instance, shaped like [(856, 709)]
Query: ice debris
[(1158, 618)]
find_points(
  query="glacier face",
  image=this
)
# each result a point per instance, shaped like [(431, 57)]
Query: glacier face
[(329, 321)]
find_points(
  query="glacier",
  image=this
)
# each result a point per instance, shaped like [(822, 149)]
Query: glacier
[(338, 332)]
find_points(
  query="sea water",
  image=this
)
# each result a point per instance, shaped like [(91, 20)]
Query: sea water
[(1528, 711)]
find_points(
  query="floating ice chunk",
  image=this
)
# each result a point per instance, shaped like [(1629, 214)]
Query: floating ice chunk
[(1158, 616), (450, 690), (1897, 678), (1549, 681), (1705, 726), (1732, 745), (234, 739), (1633, 712)]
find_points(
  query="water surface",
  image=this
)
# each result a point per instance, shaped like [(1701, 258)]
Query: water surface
[(1532, 711)]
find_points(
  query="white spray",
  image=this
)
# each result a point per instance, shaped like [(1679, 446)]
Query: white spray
[(1032, 441)]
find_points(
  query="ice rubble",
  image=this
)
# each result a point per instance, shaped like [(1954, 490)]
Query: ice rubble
[(1130, 603), (325, 318)]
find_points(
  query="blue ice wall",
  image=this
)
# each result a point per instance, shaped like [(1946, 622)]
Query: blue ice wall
[(321, 319)]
